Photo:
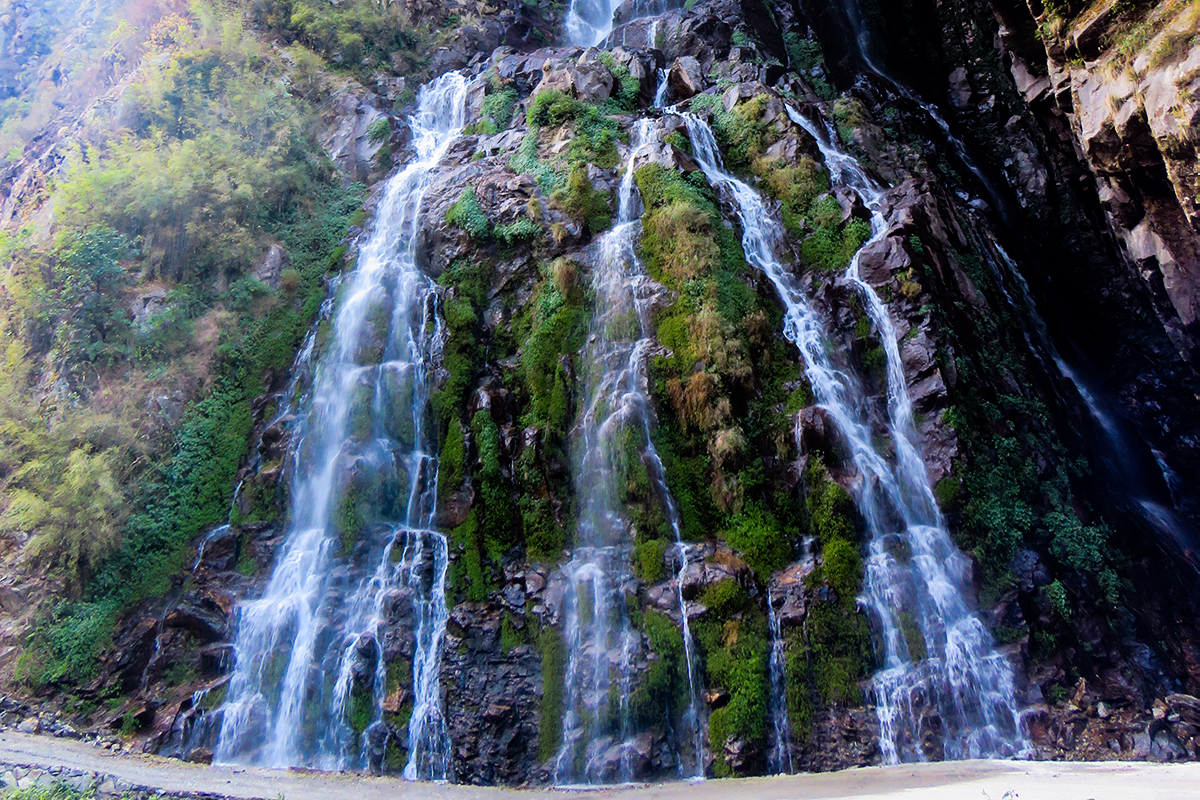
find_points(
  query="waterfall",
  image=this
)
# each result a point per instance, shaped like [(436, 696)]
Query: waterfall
[(589, 22), (781, 725), (601, 642), (310, 675), (962, 686)]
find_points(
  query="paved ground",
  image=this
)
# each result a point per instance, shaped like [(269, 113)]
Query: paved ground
[(969, 780)]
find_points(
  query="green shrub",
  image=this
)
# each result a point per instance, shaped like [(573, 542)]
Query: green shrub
[(1060, 603), (379, 131), (520, 230), (554, 668), (498, 106), (467, 214), (759, 538), (648, 560)]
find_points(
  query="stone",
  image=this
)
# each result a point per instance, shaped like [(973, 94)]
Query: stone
[(30, 725), (1186, 706), (349, 114), (686, 78), (1141, 745), (148, 305), (273, 264), (960, 88)]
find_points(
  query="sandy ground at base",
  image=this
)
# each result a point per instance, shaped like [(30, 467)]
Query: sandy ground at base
[(962, 780)]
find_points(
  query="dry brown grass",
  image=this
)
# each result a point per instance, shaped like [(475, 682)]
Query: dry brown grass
[(687, 247)]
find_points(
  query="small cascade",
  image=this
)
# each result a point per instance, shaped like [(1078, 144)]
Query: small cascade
[(589, 22), (601, 643), (660, 93), (1151, 488), (781, 724), (310, 674), (960, 689)]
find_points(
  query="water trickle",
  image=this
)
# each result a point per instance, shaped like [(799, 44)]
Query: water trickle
[(660, 93), (602, 645), (960, 690), (781, 724), (310, 669)]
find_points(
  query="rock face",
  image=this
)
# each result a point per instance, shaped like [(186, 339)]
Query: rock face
[(351, 113), (1139, 135), (1072, 581)]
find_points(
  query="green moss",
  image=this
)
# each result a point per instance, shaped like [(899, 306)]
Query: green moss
[(584, 202), (554, 667), (362, 709), (841, 653), (495, 498), (467, 574), (913, 638), (739, 132), (947, 491), (665, 683), (830, 507), (843, 567), (451, 460), (797, 690), (510, 635), (527, 161), (350, 517), (832, 245), (544, 537), (795, 186), (648, 560)]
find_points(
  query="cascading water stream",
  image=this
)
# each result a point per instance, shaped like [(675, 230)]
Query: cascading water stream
[(781, 751), (310, 675), (600, 640), (589, 22), (961, 679), (1132, 474)]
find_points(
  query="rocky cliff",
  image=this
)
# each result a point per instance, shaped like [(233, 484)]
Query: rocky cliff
[(1034, 246)]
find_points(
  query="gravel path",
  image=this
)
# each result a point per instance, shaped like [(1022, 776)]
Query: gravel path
[(968, 780)]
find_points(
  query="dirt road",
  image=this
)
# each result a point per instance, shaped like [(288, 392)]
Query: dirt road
[(970, 780)]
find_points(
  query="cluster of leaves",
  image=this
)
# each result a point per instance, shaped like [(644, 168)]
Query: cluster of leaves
[(1005, 497), (734, 640), (356, 34), (214, 136)]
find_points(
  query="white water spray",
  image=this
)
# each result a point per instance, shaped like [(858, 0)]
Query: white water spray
[(310, 675), (961, 692), (600, 640)]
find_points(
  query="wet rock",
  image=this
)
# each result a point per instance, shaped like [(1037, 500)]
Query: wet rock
[(205, 616)]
